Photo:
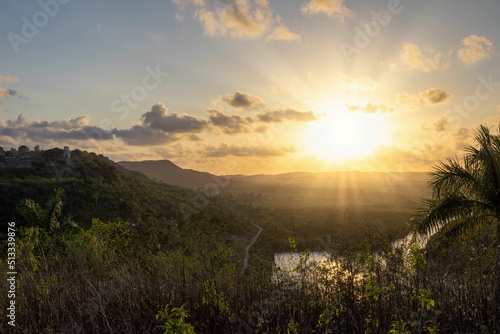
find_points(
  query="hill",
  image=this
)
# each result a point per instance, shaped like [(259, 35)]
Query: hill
[(168, 172), (96, 187), (394, 190)]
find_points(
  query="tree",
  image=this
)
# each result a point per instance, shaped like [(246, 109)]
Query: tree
[(48, 218), (465, 194), (23, 149)]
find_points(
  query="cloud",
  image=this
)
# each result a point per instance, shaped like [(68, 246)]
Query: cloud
[(333, 8), (8, 78), (424, 59), (462, 138), (429, 97), (475, 48), (141, 135), (71, 124), (6, 93), (441, 124), (158, 127), (224, 150), (284, 115), (243, 101), (282, 33), (233, 124), (43, 131), (241, 19), (211, 25), (463, 134), (159, 119), (371, 108), (434, 96)]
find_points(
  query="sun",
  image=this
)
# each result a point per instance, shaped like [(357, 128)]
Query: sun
[(345, 135)]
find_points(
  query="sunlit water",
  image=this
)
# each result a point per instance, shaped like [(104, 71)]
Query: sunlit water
[(296, 265)]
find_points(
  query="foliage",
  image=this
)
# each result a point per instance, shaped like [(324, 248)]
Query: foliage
[(466, 197), (465, 193), (175, 320)]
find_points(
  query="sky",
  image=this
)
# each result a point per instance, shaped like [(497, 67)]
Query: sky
[(251, 86)]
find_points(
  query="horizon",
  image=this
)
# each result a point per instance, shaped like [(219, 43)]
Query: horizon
[(251, 87), (260, 174)]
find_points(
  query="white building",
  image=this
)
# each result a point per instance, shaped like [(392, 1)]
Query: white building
[(67, 153)]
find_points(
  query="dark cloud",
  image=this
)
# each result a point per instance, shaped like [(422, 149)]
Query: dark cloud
[(243, 101), (42, 131), (158, 127), (158, 118), (224, 150), (290, 115), (142, 136), (155, 128), (370, 108), (5, 92), (232, 124), (433, 96)]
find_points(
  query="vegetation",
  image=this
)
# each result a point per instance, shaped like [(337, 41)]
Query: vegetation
[(113, 252), (466, 198)]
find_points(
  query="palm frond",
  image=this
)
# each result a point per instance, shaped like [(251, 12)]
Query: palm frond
[(31, 211), (451, 177), (450, 210), (486, 158), (54, 210), (456, 228)]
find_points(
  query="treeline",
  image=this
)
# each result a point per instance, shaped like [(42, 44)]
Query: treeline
[(22, 150)]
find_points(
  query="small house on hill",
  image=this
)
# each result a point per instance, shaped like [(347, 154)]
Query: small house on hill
[(67, 153)]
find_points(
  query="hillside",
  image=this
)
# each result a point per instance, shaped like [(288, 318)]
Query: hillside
[(168, 172), (96, 187)]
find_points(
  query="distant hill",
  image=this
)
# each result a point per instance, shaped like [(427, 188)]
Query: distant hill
[(381, 190), (168, 172)]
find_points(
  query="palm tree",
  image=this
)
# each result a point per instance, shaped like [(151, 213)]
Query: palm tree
[(48, 218), (465, 194)]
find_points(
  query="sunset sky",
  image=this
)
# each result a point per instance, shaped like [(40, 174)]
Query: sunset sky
[(251, 86)]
